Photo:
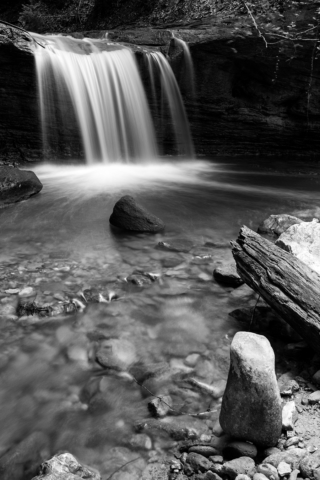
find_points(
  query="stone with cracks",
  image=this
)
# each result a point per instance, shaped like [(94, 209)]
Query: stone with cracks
[(303, 241), (66, 467), (129, 215), (251, 406), (277, 224), (17, 185)]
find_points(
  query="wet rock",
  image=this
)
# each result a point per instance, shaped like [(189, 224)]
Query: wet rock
[(199, 463), (17, 185), (292, 441), (118, 354), (284, 469), (251, 406), (314, 397), (268, 470), (212, 476), (288, 416), (216, 459), (205, 450), (239, 449), (176, 245), (160, 407), (228, 275), (277, 224), (129, 215), (23, 460), (292, 457), (310, 466), (141, 278), (303, 241), (243, 477), (66, 467), (242, 465)]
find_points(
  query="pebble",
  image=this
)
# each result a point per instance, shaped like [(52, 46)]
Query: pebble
[(192, 359), (160, 407), (270, 451), (204, 450), (294, 474), (212, 476), (284, 469), (314, 397), (268, 470), (216, 459), (292, 441), (259, 476), (288, 412), (198, 462), (238, 449), (242, 465)]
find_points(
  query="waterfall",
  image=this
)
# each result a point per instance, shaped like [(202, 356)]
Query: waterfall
[(188, 60), (170, 90), (96, 86)]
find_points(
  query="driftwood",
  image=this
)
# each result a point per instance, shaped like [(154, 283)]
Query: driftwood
[(289, 286)]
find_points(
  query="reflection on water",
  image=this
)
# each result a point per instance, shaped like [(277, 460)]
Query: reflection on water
[(59, 244)]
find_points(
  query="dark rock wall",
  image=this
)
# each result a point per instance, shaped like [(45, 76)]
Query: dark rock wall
[(248, 99)]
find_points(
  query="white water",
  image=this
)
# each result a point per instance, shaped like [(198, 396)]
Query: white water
[(188, 60), (97, 86), (170, 91)]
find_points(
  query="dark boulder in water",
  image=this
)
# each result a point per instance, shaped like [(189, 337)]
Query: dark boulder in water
[(17, 185), (129, 215)]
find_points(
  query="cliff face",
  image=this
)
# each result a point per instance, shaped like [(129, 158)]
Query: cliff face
[(248, 99)]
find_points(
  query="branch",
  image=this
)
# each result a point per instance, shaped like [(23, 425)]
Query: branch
[(255, 24)]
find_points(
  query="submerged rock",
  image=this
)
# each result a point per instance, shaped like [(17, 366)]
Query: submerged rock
[(277, 224), (251, 406), (228, 275), (303, 241), (66, 467), (17, 185), (129, 215)]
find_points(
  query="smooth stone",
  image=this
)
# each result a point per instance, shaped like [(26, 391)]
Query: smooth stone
[(176, 245), (228, 275), (310, 466), (216, 459), (199, 463), (118, 354), (270, 451), (284, 469), (292, 441), (268, 470), (129, 215), (288, 416), (17, 185), (303, 241), (66, 467), (242, 465), (212, 476), (293, 457), (217, 429), (314, 397), (251, 405), (204, 450), (239, 449), (242, 476), (259, 476)]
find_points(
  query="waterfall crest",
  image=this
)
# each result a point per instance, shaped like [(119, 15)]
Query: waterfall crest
[(97, 85)]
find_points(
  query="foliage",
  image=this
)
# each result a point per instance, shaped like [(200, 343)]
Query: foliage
[(31, 16)]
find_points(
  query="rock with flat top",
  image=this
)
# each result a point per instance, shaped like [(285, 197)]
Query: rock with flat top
[(251, 406), (17, 185), (228, 275), (277, 224), (131, 216), (239, 466), (66, 467), (303, 241)]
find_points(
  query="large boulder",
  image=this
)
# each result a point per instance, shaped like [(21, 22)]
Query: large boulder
[(277, 224), (303, 241), (129, 215), (66, 467), (17, 185), (251, 406)]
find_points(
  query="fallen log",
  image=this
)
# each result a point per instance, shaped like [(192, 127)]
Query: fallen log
[(289, 286)]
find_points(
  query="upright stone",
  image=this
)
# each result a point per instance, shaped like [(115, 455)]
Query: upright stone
[(129, 215), (251, 406)]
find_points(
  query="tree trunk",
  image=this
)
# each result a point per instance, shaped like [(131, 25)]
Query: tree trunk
[(289, 286)]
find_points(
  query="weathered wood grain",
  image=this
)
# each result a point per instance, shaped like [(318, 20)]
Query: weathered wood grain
[(289, 286)]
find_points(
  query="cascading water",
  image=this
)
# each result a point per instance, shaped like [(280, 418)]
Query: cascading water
[(170, 90), (97, 85), (188, 59)]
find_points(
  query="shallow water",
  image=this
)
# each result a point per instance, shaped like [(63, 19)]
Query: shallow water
[(60, 243)]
